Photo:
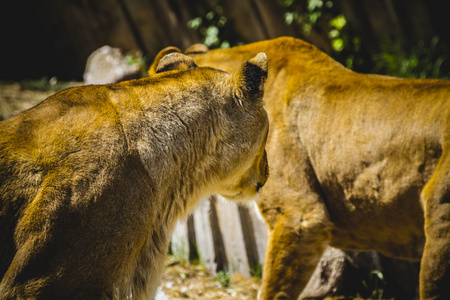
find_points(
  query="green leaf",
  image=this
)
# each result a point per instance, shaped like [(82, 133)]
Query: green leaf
[(337, 44), (195, 23), (338, 22)]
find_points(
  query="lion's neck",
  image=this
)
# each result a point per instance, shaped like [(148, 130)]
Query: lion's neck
[(177, 146)]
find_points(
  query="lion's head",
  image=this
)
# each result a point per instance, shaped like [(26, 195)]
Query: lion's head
[(244, 164)]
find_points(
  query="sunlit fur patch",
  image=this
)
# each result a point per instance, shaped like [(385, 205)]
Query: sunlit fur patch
[(240, 200), (175, 61)]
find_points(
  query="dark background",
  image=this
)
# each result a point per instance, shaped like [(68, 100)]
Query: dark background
[(46, 38)]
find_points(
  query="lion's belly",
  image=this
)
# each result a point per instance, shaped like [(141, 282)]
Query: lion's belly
[(404, 242), (378, 211)]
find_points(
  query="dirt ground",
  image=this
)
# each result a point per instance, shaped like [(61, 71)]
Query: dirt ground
[(187, 281)]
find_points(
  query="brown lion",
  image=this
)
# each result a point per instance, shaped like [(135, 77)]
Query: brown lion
[(93, 179), (358, 162)]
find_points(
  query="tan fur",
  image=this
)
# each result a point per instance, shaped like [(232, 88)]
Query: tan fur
[(357, 162), (93, 179)]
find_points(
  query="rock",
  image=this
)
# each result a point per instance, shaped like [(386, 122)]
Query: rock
[(329, 276), (109, 65)]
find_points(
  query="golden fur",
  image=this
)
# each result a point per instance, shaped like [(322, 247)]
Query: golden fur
[(357, 162), (93, 179)]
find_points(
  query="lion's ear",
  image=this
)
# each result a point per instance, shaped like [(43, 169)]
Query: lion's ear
[(175, 61), (196, 49), (249, 79), (159, 56)]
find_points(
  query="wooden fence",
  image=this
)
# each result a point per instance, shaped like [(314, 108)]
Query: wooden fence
[(225, 236)]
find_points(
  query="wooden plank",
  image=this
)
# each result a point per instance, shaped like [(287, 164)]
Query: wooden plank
[(179, 241), (249, 239), (191, 237), (220, 257), (260, 230), (223, 235), (203, 235), (231, 229)]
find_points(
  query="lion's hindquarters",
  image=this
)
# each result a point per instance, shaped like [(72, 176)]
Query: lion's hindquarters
[(435, 264)]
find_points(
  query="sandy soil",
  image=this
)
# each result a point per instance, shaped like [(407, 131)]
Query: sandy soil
[(185, 281)]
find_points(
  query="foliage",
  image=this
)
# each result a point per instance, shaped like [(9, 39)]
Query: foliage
[(375, 284), (306, 14), (215, 28), (179, 252), (256, 271), (324, 17), (400, 60), (223, 278), (141, 61), (421, 61)]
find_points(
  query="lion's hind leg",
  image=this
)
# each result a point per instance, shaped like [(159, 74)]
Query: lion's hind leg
[(435, 264)]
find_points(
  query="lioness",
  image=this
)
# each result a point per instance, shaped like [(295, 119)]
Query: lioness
[(358, 162), (93, 179)]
